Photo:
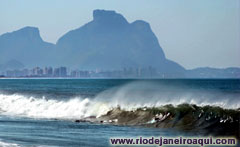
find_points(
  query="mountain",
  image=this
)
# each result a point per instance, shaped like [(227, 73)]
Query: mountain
[(109, 41), (207, 72), (11, 65), (25, 46)]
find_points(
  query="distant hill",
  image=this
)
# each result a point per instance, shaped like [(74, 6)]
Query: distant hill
[(207, 72), (25, 46), (11, 65)]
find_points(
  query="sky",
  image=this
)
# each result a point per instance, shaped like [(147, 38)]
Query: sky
[(194, 33)]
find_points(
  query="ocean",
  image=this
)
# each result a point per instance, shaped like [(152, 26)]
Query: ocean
[(43, 112)]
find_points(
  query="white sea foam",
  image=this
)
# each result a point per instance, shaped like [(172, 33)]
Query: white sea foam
[(129, 97), (43, 108), (5, 144)]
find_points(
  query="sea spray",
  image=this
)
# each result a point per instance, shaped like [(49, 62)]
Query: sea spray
[(153, 94), (50, 108), (129, 97)]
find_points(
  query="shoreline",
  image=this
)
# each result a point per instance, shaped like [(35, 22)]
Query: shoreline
[(116, 78)]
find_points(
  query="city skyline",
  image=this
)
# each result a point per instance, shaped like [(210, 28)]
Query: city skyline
[(64, 72), (125, 72)]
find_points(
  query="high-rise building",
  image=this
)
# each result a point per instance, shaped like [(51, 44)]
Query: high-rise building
[(48, 71), (63, 71), (56, 72), (60, 72), (37, 71)]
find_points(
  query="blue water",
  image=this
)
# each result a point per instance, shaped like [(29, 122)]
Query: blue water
[(41, 112), (30, 132)]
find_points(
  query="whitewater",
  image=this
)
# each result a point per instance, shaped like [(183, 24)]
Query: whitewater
[(128, 96)]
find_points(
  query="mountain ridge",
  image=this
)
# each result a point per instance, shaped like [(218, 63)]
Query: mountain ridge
[(26, 46), (107, 42), (110, 35)]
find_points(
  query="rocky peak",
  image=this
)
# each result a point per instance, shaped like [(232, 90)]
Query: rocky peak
[(110, 17), (27, 33)]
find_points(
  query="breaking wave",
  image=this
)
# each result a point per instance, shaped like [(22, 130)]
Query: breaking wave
[(49, 108), (128, 97), (5, 144), (150, 94)]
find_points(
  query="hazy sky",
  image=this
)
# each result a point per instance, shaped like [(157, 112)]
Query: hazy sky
[(194, 33)]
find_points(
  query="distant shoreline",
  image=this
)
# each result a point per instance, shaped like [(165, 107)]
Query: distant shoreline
[(120, 78)]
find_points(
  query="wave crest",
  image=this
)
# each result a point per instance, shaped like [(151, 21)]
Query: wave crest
[(43, 108), (129, 97)]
